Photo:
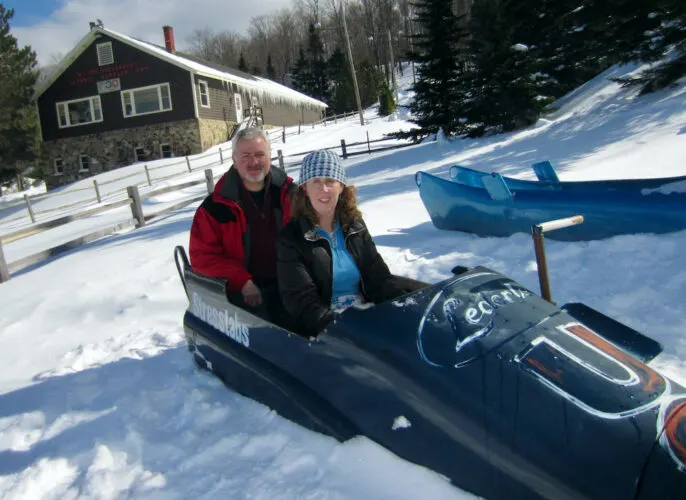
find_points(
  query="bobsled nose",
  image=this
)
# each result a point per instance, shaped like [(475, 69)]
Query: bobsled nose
[(665, 471)]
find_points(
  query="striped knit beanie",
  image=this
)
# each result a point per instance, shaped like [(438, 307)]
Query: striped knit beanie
[(323, 163)]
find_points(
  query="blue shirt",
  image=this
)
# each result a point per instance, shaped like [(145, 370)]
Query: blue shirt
[(346, 276)]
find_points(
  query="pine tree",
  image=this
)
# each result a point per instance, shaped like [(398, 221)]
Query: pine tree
[(503, 90), (663, 42), (439, 74), (242, 65), (318, 73), (271, 72), (386, 101), (18, 119), (299, 73), (342, 97)]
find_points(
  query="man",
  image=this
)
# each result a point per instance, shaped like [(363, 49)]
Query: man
[(235, 229)]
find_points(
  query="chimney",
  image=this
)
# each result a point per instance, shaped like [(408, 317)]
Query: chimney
[(169, 39)]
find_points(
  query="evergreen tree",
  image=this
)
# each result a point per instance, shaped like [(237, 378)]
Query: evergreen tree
[(310, 73), (18, 119), (342, 98), (242, 65), (663, 42), (503, 89), (271, 72), (369, 78), (386, 101), (299, 73), (318, 74), (439, 74)]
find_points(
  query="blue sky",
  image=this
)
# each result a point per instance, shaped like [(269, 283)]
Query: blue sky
[(53, 27), (28, 12)]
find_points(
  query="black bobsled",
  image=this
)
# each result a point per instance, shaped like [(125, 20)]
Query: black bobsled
[(474, 377)]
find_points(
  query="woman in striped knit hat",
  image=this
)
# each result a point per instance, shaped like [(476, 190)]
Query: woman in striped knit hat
[(327, 260)]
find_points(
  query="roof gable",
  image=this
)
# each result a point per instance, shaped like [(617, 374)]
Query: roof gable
[(190, 63)]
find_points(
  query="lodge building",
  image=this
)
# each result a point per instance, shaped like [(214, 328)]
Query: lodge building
[(115, 100)]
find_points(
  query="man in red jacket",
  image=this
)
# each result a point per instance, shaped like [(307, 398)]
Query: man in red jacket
[(235, 229)]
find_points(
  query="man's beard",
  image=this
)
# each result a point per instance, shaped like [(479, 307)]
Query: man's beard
[(256, 177)]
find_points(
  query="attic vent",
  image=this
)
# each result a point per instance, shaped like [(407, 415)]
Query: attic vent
[(105, 54)]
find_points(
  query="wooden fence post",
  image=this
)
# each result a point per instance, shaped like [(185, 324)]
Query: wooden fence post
[(221, 156), (147, 174), (345, 152), (299, 124), (136, 207), (97, 191), (280, 153), (283, 134), (369, 149), (209, 179), (188, 163), (4, 270), (28, 207)]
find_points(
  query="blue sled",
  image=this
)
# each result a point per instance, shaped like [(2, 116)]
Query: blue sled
[(493, 205), (474, 377)]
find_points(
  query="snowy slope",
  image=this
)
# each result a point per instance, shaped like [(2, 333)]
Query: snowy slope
[(100, 399)]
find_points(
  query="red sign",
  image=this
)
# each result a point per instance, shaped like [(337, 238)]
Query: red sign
[(108, 72)]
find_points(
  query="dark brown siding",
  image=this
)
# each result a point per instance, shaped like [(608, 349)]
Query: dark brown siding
[(221, 101), (134, 68)]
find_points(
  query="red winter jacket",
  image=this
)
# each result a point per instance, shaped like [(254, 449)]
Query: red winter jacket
[(219, 234)]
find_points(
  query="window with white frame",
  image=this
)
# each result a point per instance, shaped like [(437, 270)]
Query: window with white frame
[(58, 166), (105, 54), (166, 151), (84, 163), (146, 100), (79, 112), (139, 153), (204, 94)]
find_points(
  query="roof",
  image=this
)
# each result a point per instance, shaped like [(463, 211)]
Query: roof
[(200, 67)]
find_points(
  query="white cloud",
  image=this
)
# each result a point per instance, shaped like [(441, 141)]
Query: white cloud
[(140, 19)]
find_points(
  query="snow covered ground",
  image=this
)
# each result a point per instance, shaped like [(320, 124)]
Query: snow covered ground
[(100, 399)]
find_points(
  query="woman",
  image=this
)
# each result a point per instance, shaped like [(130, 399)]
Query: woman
[(327, 260)]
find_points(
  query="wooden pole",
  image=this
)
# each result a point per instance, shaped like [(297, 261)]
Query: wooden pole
[(537, 231), (4, 270), (209, 179), (136, 207), (147, 174), (280, 153), (343, 148), (221, 156), (369, 148), (28, 207), (188, 164), (283, 134), (541, 263), (97, 191)]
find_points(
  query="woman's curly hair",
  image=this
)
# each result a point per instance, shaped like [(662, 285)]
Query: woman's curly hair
[(346, 208)]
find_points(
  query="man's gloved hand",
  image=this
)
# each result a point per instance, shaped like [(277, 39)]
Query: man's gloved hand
[(251, 294)]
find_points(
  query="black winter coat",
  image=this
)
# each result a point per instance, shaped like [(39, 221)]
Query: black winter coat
[(304, 268)]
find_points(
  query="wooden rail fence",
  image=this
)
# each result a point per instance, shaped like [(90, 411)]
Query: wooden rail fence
[(135, 199)]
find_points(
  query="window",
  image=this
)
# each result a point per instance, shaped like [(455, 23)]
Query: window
[(146, 100), (58, 166), (79, 112), (139, 153), (204, 94), (166, 151), (105, 54), (84, 163)]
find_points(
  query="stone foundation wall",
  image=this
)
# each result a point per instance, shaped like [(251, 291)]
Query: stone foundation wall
[(213, 132), (111, 150)]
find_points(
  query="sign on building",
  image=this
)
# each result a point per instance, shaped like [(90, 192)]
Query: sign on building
[(105, 86)]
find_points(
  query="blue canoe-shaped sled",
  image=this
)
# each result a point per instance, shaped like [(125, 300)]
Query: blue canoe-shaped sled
[(493, 205), (475, 377)]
